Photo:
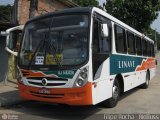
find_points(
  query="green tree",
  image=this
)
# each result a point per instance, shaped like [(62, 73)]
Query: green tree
[(5, 13), (137, 13), (86, 3), (158, 41), (154, 35)]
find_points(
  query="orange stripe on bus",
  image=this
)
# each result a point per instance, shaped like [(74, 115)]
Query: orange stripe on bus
[(146, 64)]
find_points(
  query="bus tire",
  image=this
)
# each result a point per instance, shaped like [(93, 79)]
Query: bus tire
[(146, 84), (112, 102)]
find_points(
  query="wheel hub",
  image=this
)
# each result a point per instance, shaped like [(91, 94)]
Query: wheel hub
[(115, 92)]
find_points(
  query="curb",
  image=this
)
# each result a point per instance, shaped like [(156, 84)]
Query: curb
[(5, 104), (9, 96)]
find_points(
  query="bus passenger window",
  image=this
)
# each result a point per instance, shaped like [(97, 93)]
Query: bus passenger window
[(149, 49), (144, 43), (120, 40), (152, 50), (138, 45), (131, 43)]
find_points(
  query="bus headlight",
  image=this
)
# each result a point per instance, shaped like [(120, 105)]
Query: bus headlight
[(80, 82), (83, 75), (82, 78)]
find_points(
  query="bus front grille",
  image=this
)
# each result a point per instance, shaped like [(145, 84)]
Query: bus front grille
[(49, 84), (38, 81), (44, 95), (48, 78)]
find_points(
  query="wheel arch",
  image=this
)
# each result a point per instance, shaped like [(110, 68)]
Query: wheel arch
[(119, 77), (148, 72)]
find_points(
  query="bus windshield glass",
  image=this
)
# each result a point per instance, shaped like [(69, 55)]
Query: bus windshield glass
[(58, 40)]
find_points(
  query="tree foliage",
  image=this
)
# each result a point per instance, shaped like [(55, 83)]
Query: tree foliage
[(154, 35), (86, 3), (5, 12), (137, 13), (158, 40)]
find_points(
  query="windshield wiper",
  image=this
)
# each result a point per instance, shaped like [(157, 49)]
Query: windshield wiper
[(53, 50), (52, 46), (56, 58), (54, 54), (41, 43)]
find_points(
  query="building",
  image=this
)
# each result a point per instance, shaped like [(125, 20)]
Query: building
[(26, 9)]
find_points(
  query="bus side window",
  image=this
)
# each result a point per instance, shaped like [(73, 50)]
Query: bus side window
[(152, 50), (131, 42), (101, 44), (105, 42), (95, 44), (120, 39), (149, 49), (144, 43), (138, 45)]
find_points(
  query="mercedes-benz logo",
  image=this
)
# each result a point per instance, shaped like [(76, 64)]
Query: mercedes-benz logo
[(44, 81)]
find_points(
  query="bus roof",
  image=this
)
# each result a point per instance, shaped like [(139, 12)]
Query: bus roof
[(120, 23), (64, 11), (91, 10)]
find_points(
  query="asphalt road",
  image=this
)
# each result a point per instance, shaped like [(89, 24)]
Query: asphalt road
[(136, 101)]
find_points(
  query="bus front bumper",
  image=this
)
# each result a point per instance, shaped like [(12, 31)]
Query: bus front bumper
[(70, 96)]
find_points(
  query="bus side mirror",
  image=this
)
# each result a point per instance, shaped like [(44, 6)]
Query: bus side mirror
[(13, 36), (105, 31), (11, 41)]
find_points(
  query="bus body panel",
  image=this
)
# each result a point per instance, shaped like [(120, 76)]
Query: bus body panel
[(152, 73), (133, 69), (102, 88)]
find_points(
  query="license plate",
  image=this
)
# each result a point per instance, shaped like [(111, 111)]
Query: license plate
[(44, 91)]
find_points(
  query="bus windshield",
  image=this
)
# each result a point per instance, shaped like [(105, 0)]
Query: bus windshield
[(58, 40)]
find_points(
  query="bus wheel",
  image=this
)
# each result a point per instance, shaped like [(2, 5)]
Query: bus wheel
[(146, 84), (112, 102)]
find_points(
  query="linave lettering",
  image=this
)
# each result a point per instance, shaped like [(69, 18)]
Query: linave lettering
[(126, 64)]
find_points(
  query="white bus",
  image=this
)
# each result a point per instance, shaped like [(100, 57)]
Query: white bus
[(82, 56)]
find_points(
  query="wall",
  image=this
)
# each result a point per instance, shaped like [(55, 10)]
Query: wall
[(3, 59), (44, 6)]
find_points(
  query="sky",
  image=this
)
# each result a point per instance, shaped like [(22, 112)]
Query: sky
[(5, 2), (155, 24), (101, 2)]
